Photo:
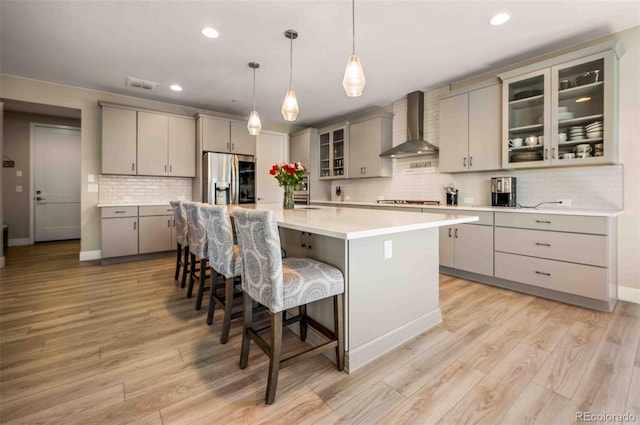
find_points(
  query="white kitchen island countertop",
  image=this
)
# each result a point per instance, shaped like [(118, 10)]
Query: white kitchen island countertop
[(133, 204), (558, 211), (350, 223)]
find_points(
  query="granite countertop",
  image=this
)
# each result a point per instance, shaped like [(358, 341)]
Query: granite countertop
[(558, 211), (350, 223)]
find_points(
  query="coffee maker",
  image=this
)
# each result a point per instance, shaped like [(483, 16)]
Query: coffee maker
[(503, 191)]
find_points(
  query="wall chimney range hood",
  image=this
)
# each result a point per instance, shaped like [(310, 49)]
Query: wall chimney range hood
[(415, 144)]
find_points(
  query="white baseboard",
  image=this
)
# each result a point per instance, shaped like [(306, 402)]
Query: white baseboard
[(19, 242), (631, 295), (90, 255), (1, 262)]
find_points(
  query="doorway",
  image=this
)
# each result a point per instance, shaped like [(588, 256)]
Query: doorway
[(271, 147), (55, 189)]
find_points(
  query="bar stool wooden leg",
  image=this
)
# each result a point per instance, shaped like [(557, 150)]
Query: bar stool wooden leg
[(192, 272), (179, 257), (338, 323), (212, 303), (228, 309), (246, 324), (185, 267), (274, 361), (203, 277), (302, 311)]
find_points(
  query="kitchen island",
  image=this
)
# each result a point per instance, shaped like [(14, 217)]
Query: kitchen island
[(390, 264)]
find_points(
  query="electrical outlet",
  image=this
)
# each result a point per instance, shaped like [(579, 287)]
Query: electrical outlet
[(18, 173), (347, 197), (19, 188), (388, 249), (565, 202), (380, 197)]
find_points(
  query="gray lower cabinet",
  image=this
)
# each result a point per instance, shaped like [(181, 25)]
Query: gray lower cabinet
[(119, 232), (570, 254), (155, 234), (467, 247)]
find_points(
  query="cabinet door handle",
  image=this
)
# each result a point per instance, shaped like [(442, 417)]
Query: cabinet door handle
[(464, 161), (174, 222), (165, 168), (543, 244), (169, 223), (308, 240), (543, 221), (546, 153), (171, 168), (553, 153), (449, 231), (134, 225), (470, 161), (119, 212), (302, 244), (227, 146), (456, 233), (133, 166), (233, 146), (542, 273)]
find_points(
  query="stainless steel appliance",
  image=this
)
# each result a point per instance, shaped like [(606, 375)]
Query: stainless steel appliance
[(228, 179), (503, 191), (301, 192)]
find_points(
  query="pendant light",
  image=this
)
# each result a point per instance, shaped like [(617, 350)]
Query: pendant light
[(254, 126), (353, 81), (290, 105)]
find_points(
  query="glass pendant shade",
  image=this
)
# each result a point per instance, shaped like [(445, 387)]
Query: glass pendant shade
[(254, 126), (290, 106), (354, 80)]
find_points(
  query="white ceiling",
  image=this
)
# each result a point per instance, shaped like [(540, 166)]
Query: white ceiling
[(403, 45)]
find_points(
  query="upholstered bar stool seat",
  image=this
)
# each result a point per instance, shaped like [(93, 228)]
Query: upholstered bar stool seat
[(281, 284), (198, 247), (182, 240), (224, 260)]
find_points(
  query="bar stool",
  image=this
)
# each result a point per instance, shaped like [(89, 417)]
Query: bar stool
[(198, 246), (182, 240), (281, 284), (224, 260)]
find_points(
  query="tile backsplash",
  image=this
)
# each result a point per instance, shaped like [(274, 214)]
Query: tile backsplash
[(143, 189)]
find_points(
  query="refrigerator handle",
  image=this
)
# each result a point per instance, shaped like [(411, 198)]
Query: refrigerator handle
[(234, 190), (207, 195)]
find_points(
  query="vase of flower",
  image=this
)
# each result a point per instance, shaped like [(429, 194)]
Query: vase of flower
[(288, 197), (288, 175)]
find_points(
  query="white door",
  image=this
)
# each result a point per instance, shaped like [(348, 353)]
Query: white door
[(56, 180), (270, 148)]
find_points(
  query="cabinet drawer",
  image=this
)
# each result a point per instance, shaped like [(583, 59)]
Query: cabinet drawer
[(111, 212), (561, 223), (577, 248), (155, 210), (586, 281), (485, 217)]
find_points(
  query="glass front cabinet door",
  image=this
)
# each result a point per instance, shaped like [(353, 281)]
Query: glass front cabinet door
[(333, 152), (562, 115), (526, 120)]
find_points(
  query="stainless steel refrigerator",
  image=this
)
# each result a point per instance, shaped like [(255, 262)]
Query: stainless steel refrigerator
[(228, 178)]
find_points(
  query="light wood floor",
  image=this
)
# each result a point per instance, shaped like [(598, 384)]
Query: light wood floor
[(119, 344)]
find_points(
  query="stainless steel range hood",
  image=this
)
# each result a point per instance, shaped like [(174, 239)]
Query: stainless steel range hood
[(415, 144)]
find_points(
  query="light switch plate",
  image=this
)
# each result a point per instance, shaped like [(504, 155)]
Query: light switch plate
[(18, 173), (92, 188), (91, 178), (19, 188), (388, 249)]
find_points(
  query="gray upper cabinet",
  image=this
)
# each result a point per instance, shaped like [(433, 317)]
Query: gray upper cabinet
[(470, 130), (222, 135), (153, 144), (147, 143), (182, 147), (118, 140), (367, 139), (241, 141), (215, 133), (300, 147)]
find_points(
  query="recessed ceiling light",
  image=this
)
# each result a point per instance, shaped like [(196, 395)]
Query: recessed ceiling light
[(175, 87), (210, 32), (500, 19)]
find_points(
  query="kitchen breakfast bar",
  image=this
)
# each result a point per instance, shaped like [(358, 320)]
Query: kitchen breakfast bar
[(390, 264)]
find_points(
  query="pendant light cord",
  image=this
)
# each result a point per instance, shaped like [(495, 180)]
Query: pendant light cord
[(291, 63), (353, 24), (254, 89)]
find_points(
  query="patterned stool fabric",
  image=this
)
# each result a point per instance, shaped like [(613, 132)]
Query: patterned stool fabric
[(280, 284), (224, 260), (182, 239), (198, 245)]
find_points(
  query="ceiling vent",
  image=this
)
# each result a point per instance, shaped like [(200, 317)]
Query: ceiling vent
[(141, 84)]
